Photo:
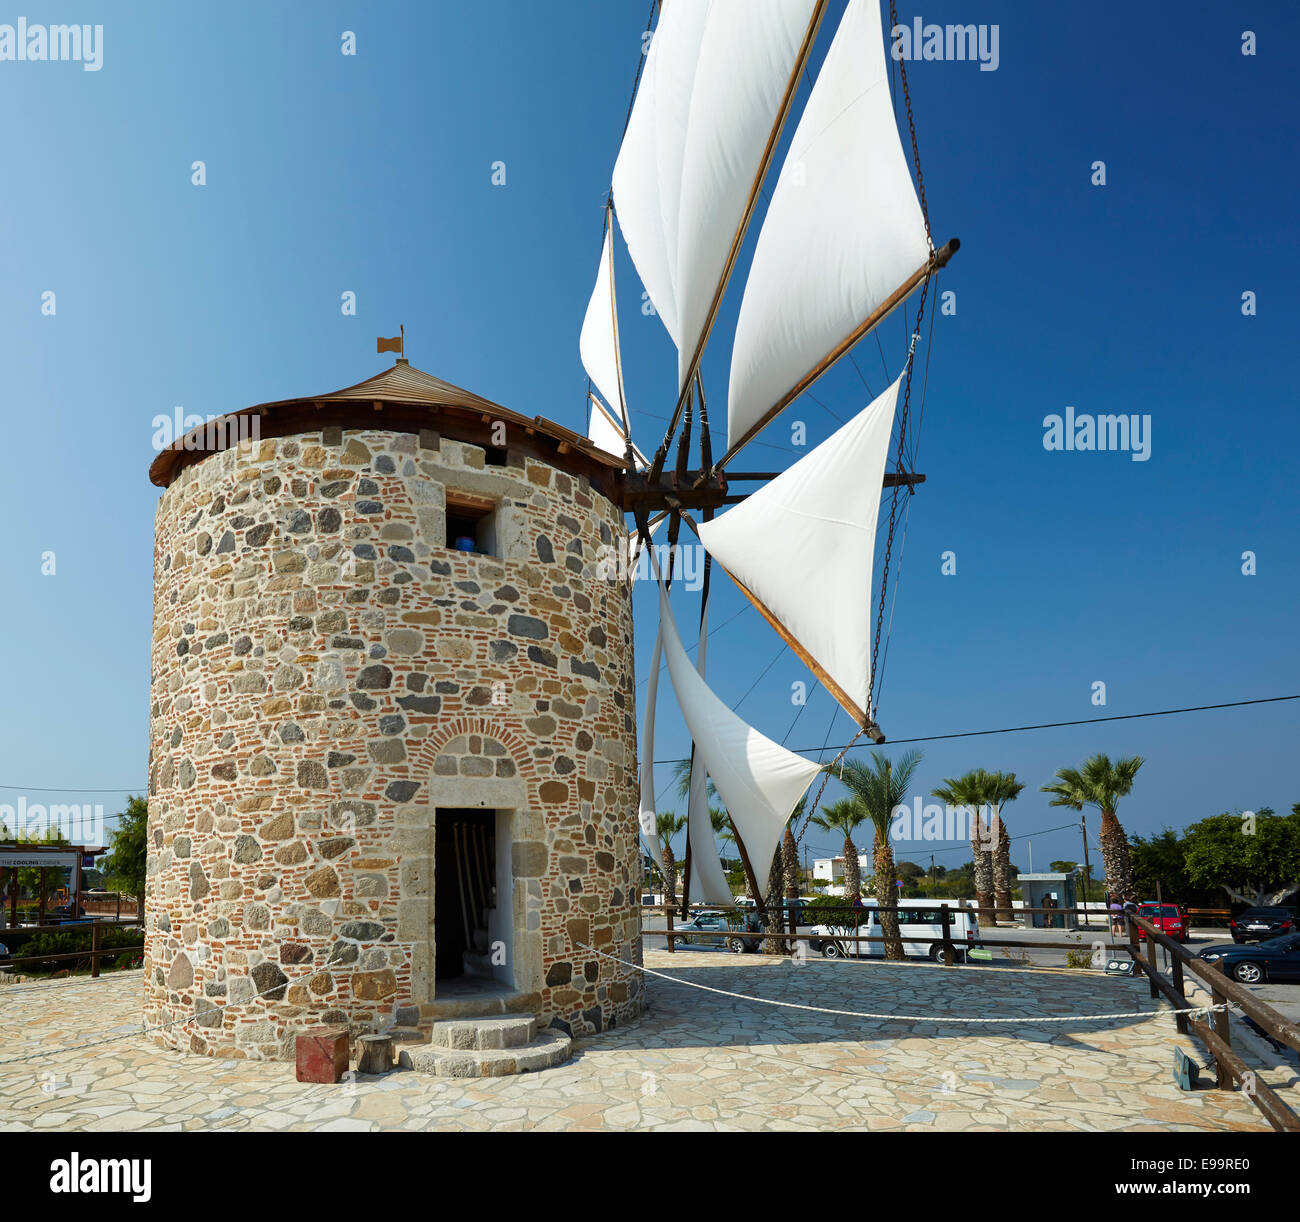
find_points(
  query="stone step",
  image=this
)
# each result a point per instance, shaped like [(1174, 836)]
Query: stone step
[(546, 1049), (484, 1032), (477, 963)]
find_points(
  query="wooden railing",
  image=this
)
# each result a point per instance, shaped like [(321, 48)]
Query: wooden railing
[(95, 952), (1216, 1035), (1230, 1069), (823, 914)]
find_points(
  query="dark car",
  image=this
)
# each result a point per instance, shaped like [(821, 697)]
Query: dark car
[(1262, 924), (1277, 959), (715, 929)]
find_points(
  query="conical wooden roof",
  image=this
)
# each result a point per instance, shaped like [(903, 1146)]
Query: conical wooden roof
[(406, 399)]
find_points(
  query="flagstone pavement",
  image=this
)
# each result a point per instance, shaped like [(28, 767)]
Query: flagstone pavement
[(696, 1061)]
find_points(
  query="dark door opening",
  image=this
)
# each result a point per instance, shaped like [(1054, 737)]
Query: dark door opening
[(464, 883)]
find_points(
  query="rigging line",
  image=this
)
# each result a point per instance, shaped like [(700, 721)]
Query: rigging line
[(862, 375), (965, 848), (898, 581), (883, 363), (1053, 725), (823, 406), (712, 632), (835, 710), (636, 81), (764, 671), (56, 789), (765, 444), (925, 382), (799, 714)]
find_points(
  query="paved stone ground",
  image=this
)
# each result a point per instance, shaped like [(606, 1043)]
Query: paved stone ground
[(696, 1061)]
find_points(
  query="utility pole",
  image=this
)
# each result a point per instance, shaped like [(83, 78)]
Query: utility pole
[(931, 873), (1087, 869)]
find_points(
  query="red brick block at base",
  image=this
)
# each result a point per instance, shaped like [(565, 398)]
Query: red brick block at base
[(322, 1054)]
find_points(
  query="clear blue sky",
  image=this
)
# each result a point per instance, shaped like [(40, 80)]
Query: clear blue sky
[(372, 174)]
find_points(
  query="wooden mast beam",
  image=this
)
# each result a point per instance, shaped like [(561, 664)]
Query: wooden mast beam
[(892, 302)]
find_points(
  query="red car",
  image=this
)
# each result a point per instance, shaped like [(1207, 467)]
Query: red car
[(1170, 919)]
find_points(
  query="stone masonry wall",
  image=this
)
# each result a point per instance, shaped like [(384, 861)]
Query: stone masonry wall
[(325, 673)]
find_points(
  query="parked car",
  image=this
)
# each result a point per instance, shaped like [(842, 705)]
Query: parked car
[(715, 929), (1262, 924), (1170, 919), (919, 923), (5, 956), (1276, 959)]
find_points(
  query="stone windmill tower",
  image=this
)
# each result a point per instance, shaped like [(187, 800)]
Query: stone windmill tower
[(393, 736)]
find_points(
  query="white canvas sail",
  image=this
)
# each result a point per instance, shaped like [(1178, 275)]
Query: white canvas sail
[(843, 231), (598, 342), (802, 547), (678, 38), (604, 432), (647, 819), (745, 62), (708, 881), (759, 781), (637, 197)]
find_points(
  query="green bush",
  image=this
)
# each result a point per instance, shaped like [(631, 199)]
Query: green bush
[(70, 941)]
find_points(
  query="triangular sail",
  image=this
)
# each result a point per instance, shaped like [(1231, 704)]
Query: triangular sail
[(648, 820), (801, 548), (843, 231), (637, 176), (598, 344), (604, 432), (678, 39), (759, 781), (708, 882), (746, 63), (713, 86)]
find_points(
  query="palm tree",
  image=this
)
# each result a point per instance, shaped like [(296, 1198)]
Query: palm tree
[(668, 825), (682, 781), (879, 787), (844, 817), (969, 791), (1003, 788), (1101, 784)]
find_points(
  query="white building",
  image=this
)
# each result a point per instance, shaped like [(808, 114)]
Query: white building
[(832, 870)]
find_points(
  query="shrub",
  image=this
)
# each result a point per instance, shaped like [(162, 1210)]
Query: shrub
[(70, 941)]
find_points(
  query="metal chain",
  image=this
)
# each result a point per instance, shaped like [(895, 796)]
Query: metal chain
[(907, 379), (911, 128)]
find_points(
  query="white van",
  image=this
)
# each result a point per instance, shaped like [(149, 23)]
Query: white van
[(918, 921)]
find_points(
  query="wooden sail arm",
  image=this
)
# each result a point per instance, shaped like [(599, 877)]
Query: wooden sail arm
[(626, 430), (738, 240), (706, 438), (937, 260)]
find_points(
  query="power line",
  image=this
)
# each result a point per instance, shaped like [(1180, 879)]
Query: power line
[(925, 738), (1052, 725)]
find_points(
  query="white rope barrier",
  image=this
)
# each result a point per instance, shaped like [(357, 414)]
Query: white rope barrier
[(905, 1018)]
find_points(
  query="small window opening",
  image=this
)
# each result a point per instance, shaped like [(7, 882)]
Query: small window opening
[(471, 524), (495, 456)]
